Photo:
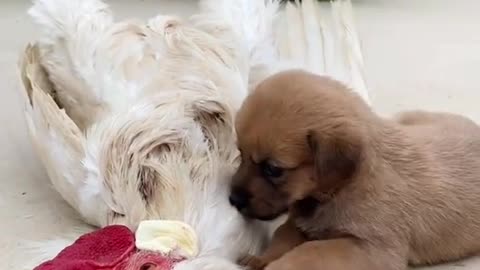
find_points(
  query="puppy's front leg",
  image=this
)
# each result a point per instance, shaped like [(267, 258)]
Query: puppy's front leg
[(338, 254), (285, 238)]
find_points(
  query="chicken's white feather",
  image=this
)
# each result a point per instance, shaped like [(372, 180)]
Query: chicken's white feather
[(343, 11), (322, 39)]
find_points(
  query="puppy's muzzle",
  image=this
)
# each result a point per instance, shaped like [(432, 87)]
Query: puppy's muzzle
[(239, 198)]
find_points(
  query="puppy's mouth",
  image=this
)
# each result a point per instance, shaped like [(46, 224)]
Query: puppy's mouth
[(263, 217)]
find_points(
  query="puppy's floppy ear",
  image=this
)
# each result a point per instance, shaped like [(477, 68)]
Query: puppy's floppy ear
[(336, 158)]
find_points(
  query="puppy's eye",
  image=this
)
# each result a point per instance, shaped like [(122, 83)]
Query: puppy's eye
[(270, 171)]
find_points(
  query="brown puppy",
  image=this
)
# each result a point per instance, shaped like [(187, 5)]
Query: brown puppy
[(367, 192)]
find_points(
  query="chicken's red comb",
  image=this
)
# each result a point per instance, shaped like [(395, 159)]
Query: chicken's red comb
[(110, 248)]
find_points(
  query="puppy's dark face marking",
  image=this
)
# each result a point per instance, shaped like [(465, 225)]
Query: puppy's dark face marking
[(262, 189), (297, 141)]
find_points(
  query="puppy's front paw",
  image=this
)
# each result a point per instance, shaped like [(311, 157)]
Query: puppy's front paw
[(253, 262), (282, 265)]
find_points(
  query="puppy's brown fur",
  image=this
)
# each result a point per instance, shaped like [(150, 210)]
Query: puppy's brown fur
[(368, 192)]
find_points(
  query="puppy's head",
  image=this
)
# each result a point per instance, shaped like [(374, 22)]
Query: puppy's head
[(301, 137)]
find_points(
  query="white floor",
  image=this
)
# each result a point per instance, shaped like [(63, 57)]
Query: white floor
[(419, 54)]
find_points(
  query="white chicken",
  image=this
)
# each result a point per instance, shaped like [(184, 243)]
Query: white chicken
[(133, 120)]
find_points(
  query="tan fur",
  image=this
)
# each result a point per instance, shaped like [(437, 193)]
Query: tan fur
[(379, 193), (284, 239)]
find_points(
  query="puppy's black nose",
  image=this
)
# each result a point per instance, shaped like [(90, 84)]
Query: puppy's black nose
[(239, 198)]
